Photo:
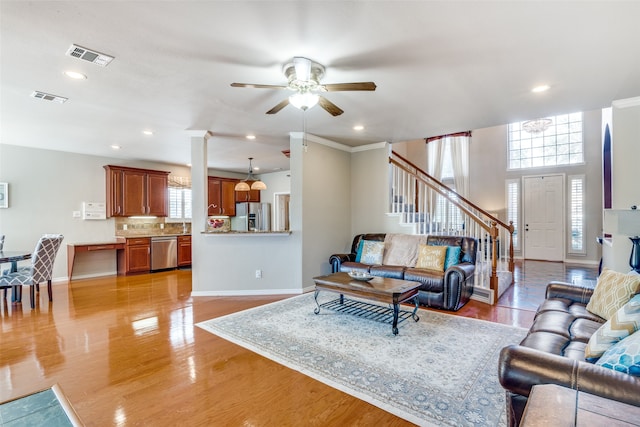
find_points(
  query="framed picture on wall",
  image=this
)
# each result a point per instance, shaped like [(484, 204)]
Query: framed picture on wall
[(4, 195)]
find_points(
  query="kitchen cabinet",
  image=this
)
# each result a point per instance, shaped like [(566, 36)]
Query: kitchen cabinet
[(221, 196), (248, 196), (132, 191), (136, 257), (184, 251)]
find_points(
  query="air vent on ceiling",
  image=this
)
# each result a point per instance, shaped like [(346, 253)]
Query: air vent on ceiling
[(89, 55), (49, 97)]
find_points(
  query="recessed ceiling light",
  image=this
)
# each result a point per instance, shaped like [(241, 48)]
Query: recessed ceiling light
[(116, 147), (251, 136), (358, 127), (188, 164), (541, 88), (75, 75), (147, 132)]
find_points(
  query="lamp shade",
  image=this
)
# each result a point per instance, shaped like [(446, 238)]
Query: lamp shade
[(258, 185), (242, 186), (304, 101)]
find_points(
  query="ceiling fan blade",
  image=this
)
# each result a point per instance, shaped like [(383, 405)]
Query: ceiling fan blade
[(258, 86), (279, 107), (335, 87), (331, 108)]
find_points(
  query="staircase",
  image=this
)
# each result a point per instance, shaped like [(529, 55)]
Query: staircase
[(428, 206)]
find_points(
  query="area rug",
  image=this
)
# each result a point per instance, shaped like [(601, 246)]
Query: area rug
[(439, 371)]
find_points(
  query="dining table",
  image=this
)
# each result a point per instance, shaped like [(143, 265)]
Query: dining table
[(13, 257)]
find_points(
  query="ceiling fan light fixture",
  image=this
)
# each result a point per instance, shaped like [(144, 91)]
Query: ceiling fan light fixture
[(537, 125), (304, 101)]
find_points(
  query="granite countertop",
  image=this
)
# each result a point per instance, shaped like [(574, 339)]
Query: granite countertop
[(246, 233), (138, 235)]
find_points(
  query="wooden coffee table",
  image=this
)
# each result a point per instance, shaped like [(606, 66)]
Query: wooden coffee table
[(380, 289)]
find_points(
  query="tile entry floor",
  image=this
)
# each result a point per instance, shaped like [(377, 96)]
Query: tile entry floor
[(531, 279)]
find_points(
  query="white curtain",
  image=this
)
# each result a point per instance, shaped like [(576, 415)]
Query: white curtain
[(435, 159), (452, 150), (460, 161)]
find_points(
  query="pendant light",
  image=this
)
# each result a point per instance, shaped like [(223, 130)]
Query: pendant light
[(250, 182)]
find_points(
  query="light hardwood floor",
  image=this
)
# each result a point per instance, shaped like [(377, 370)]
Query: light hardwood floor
[(126, 352)]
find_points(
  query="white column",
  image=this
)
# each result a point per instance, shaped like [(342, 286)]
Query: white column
[(198, 140)]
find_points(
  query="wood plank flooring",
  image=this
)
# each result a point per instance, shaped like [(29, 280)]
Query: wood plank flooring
[(126, 353)]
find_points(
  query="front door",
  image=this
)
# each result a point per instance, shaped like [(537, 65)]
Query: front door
[(543, 217)]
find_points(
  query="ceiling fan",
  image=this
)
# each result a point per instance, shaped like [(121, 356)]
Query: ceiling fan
[(304, 77)]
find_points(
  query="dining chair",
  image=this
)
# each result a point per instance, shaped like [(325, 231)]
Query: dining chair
[(40, 270)]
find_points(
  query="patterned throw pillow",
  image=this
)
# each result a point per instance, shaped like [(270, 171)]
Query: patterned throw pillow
[(431, 257), (613, 290), (453, 256), (372, 252), (623, 356), (623, 323)]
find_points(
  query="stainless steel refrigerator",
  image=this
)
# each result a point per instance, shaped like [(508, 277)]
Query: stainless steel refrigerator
[(252, 216)]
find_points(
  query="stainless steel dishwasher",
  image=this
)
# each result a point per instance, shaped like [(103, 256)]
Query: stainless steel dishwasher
[(164, 252)]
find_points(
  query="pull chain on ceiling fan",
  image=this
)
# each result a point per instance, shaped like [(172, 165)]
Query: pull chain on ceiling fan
[(304, 76)]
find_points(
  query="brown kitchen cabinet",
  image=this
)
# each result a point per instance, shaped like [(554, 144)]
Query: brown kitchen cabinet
[(184, 251), (248, 196), (136, 257), (133, 191), (221, 196)]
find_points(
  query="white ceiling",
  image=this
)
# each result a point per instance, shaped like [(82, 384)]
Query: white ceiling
[(440, 67)]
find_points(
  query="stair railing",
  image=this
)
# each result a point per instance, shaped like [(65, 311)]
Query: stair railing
[(414, 196)]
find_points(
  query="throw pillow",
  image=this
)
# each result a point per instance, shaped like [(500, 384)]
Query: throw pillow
[(613, 290), (359, 251), (372, 252), (453, 256), (623, 356), (431, 257), (623, 323), (402, 249)]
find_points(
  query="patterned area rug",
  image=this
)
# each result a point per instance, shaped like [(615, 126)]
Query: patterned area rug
[(439, 371)]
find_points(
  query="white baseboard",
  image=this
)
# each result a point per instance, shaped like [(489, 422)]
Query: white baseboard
[(248, 292)]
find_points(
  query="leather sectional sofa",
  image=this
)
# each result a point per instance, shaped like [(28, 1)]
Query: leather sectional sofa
[(553, 352), (448, 290)]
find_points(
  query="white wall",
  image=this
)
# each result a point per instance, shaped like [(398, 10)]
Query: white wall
[(621, 222), (45, 188)]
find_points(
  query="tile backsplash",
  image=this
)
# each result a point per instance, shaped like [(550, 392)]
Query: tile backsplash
[(149, 226)]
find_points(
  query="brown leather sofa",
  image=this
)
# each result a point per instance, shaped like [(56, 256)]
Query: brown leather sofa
[(449, 290), (553, 353)]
